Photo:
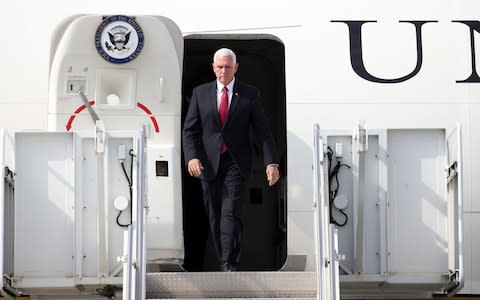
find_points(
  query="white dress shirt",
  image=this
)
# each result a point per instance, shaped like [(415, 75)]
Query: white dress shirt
[(220, 92)]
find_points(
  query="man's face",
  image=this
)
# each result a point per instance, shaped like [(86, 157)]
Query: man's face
[(224, 69)]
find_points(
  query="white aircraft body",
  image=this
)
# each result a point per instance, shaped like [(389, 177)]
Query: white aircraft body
[(373, 106)]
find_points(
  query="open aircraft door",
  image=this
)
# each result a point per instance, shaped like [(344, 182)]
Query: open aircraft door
[(455, 210), (128, 86)]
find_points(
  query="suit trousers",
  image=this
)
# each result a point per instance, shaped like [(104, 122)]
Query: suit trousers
[(223, 199)]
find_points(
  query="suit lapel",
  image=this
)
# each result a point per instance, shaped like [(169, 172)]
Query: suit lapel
[(233, 103), (213, 101)]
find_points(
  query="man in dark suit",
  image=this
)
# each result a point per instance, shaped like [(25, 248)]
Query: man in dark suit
[(217, 148)]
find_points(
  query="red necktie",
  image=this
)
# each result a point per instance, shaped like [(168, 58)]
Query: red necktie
[(223, 111)]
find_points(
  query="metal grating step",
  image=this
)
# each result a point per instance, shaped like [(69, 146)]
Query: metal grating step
[(279, 285), (201, 285)]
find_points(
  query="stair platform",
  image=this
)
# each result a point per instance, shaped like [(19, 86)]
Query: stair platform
[(298, 285)]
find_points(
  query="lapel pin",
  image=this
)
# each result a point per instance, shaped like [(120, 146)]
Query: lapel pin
[(236, 94)]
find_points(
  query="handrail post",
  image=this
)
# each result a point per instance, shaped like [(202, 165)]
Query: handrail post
[(319, 204), (326, 237), (141, 212), (134, 259)]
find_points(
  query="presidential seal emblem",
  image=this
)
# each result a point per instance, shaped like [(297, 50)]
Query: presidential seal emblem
[(119, 39)]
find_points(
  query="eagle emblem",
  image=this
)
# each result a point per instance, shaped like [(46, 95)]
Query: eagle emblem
[(119, 38)]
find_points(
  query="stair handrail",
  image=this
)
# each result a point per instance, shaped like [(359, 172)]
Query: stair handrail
[(326, 237), (134, 259)]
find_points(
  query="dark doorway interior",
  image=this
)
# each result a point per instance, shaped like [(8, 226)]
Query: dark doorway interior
[(262, 64)]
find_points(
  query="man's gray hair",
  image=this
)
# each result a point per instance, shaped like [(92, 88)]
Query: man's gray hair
[(225, 52)]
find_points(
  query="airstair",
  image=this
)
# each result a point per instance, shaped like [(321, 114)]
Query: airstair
[(322, 284), (131, 270)]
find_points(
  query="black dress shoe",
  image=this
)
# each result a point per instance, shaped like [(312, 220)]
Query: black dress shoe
[(228, 267)]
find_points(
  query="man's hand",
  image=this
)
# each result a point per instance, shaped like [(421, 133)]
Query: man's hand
[(272, 174), (195, 167)]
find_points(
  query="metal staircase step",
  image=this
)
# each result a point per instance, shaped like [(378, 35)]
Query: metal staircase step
[(201, 285)]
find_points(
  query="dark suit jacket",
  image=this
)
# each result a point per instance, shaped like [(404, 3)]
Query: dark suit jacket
[(202, 133)]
